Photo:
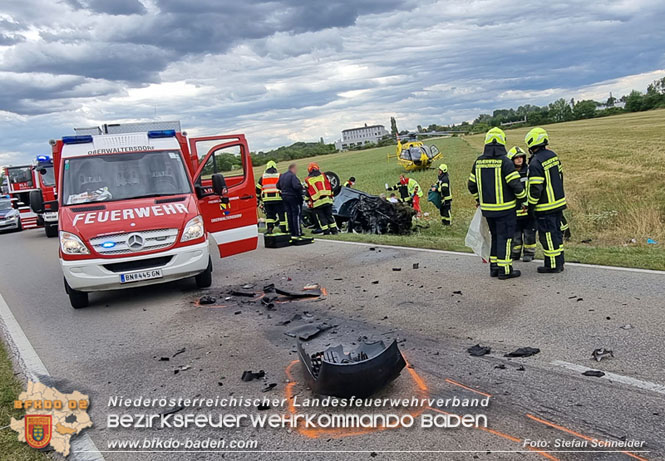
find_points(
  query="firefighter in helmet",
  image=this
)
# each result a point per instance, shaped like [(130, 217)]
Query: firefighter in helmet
[(547, 198), (442, 186), (498, 191), (524, 241), (271, 196), (320, 193), (351, 182)]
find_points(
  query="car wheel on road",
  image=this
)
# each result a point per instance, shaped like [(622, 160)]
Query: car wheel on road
[(19, 228), (204, 279), (78, 299), (51, 231)]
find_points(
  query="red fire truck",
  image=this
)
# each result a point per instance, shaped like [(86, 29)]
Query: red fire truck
[(42, 200), (137, 202), (20, 182)]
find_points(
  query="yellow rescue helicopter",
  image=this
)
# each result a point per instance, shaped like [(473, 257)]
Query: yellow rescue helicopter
[(415, 155)]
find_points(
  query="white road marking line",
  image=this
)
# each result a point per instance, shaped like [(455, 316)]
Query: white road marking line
[(646, 385), (82, 446), (460, 253)]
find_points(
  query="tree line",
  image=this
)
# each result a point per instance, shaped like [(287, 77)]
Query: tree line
[(294, 151), (563, 110)]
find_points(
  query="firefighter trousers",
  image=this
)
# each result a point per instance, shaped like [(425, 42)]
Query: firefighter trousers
[(551, 238), (524, 240), (446, 217), (502, 229), (293, 206), (326, 218), (275, 216)]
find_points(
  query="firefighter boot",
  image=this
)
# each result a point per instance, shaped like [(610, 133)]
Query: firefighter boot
[(550, 270), (494, 270), (527, 258), (514, 273)]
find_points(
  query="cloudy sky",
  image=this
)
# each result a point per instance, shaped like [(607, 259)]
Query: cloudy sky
[(287, 70)]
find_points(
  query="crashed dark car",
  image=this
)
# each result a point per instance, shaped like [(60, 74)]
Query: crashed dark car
[(361, 372), (371, 214)]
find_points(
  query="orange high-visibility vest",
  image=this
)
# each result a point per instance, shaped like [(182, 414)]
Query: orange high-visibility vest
[(269, 190)]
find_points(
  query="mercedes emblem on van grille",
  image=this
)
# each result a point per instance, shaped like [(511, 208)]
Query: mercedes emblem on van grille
[(135, 242)]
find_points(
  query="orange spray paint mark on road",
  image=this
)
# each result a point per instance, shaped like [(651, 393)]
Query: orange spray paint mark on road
[(577, 434), (502, 435), (455, 383)]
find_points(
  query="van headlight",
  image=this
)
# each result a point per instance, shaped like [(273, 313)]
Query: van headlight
[(193, 229), (72, 245)]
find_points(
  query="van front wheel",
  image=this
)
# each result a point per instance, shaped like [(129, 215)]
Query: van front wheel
[(204, 279), (51, 230), (78, 299)]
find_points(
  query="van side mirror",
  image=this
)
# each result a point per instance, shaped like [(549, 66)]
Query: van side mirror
[(219, 184), (42, 171)]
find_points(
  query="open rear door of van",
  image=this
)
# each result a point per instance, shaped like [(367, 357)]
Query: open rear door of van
[(231, 219)]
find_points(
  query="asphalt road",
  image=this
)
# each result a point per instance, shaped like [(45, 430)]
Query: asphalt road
[(437, 311)]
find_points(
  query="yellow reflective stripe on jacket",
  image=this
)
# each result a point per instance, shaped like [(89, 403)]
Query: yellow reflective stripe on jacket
[(498, 207), (550, 206), (472, 178), (512, 176), (498, 187)]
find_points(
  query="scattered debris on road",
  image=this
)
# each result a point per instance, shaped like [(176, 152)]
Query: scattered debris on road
[(457, 292), (245, 294), (249, 375), (397, 269), (269, 387), (478, 350), (360, 373), (594, 373), (311, 293), (179, 351), (500, 366), (416, 265), (170, 411), (601, 353), (627, 326), (207, 299), (308, 331), (523, 352)]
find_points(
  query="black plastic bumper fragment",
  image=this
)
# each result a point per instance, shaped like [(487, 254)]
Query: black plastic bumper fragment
[(360, 373)]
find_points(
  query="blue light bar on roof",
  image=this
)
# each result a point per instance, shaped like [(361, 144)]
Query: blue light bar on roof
[(43, 158), (161, 134), (84, 139)]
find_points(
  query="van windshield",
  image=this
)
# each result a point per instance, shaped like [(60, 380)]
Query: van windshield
[(5, 205), (113, 177), (48, 177), (19, 175)]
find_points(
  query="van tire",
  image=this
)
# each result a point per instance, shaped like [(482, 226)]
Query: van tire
[(19, 228), (78, 299), (51, 231), (204, 279)]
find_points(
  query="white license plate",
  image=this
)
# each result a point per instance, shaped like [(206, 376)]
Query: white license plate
[(140, 276), (50, 216)]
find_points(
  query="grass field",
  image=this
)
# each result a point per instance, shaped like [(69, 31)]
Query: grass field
[(615, 183), (10, 388)]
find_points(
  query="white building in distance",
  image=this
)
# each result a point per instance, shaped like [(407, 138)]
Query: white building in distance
[(362, 136)]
